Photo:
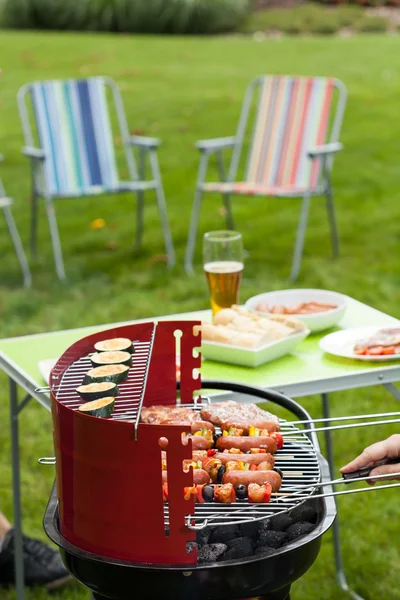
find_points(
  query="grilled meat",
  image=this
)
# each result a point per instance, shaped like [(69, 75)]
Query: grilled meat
[(241, 416), (174, 415)]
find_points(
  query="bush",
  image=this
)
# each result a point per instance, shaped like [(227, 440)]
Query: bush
[(302, 19), (130, 16), (371, 25), (360, 2), (42, 14), (312, 18)]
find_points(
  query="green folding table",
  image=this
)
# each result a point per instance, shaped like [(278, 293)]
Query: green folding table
[(306, 372)]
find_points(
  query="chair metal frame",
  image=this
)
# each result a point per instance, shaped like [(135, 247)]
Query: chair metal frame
[(324, 153), (146, 147), (5, 206)]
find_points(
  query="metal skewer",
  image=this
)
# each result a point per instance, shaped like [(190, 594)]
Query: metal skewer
[(342, 480), (334, 427), (343, 492), (373, 416)]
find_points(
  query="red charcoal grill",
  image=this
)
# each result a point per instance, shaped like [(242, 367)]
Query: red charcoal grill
[(107, 514)]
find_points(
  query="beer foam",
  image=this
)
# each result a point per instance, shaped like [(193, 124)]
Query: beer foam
[(223, 266)]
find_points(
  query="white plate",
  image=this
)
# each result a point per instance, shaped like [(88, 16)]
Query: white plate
[(45, 366), (248, 357), (314, 322), (341, 343)]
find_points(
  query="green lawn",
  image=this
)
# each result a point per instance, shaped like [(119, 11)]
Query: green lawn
[(182, 90)]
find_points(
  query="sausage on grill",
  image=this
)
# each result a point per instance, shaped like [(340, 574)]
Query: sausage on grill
[(200, 477), (245, 424), (200, 443), (245, 443), (194, 425), (253, 459), (259, 477)]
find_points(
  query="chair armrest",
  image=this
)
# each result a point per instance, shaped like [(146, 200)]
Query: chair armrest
[(33, 152), (325, 150), (144, 142), (215, 144)]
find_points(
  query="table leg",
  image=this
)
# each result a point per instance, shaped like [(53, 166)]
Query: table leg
[(17, 517), (337, 546), (393, 390)]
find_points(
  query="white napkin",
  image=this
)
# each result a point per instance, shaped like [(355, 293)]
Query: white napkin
[(45, 366)]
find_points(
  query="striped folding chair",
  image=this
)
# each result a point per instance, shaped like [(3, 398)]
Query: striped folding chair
[(294, 138), (74, 154), (5, 206)]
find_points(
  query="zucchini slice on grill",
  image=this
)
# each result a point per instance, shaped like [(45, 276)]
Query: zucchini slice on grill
[(95, 391), (111, 358), (98, 408), (114, 373), (114, 344)]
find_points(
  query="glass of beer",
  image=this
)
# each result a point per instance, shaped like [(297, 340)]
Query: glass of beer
[(223, 266)]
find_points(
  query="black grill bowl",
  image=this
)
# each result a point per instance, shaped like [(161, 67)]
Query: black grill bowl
[(268, 576), (245, 578)]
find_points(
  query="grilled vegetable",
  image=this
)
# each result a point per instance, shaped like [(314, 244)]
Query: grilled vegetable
[(225, 493), (98, 408), (165, 491), (259, 493), (114, 373), (241, 492), (221, 473), (208, 493), (111, 358), (114, 345), (278, 437), (211, 465), (95, 391), (195, 491)]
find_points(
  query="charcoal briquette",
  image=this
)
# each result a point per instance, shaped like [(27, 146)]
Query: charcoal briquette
[(203, 536), (250, 529), (298, 529), (210, 552), (243, 546), (272, 539), (264, 525), (228, 555), (280, 522), (265, 551), (304, 512), (223, 534)]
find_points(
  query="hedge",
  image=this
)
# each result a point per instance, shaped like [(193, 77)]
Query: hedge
[(129, 16)]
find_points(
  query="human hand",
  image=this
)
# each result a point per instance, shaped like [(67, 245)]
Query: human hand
[(387, 449)]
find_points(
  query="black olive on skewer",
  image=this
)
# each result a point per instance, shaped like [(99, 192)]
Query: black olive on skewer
[(241, 492), (208, 493), (277, 470), (221, 473), (216, 437)]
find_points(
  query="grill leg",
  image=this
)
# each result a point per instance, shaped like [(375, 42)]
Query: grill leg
[(17, 517), (337, 546)]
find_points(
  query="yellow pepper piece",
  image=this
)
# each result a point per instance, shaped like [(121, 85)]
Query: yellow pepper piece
[(252, 430), (225, 433)]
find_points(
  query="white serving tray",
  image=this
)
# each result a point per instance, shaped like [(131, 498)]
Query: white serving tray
[(247, 357)]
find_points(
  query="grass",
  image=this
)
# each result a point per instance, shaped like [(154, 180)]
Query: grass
[(182, 90), (312, 18)]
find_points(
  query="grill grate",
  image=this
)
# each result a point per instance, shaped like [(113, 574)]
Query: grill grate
[(300, 466), (297, 459), (130, 392)]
